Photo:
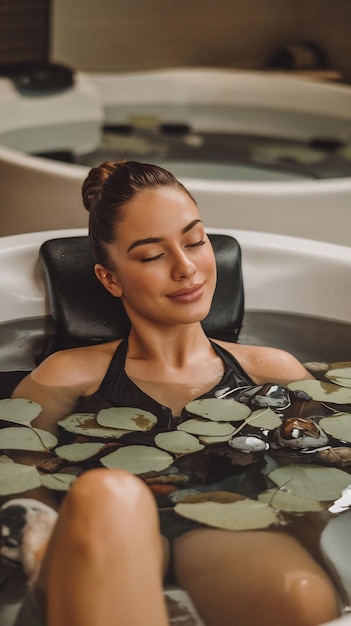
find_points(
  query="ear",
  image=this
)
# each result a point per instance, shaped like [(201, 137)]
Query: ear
[(108, 279)]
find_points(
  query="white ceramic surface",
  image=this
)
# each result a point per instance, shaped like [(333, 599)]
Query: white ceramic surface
[(280, 273), (39, 194)]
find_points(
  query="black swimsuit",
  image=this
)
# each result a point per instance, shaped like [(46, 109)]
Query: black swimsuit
[(119, 390)]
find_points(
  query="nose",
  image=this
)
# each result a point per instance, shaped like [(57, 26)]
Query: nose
[(183, 267)]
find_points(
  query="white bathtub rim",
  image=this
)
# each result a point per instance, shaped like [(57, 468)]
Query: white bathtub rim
[(221, 85), (280, 274)]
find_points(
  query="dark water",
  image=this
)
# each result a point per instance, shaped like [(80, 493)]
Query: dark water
[(23, 344), (219, 155)]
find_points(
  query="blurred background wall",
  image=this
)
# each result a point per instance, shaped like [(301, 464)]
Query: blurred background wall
[(126, 35), (144, 34)]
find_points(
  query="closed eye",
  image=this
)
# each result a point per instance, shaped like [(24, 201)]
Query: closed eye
[(158, 256), (196, 244), (152, 258)]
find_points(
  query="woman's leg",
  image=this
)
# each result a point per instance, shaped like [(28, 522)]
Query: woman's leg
[(103, 565), (253, 578)]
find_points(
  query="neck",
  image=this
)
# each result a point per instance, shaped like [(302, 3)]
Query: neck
[(172, 345)]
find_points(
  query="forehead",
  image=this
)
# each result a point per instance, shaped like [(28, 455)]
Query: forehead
[(153, 211)]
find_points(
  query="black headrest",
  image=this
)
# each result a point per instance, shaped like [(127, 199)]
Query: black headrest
[(84, 312)]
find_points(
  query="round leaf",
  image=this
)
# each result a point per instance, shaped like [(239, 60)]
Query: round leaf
[(340, 375), (345, 372), (241, 515), (24, 438), (58, 482), (86, 424), (341, 381), (178, 442), (126, 418), (78, 451), (206, 428), (17, 478), (5, 459), (323, 392), (18, 410), (311, 481), (264, 418), (284, 500), (138, 459), (219, 410), (209, 440), (338, 426)]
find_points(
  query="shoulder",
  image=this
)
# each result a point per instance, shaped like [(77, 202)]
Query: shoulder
[(81, 367), (265, 364)]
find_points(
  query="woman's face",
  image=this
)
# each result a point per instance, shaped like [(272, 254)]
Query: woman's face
[(165, 266)]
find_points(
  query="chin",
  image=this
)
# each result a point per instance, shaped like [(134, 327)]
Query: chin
[(195, 314)]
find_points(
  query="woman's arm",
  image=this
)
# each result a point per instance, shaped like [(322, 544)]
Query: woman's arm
[(58, 383)]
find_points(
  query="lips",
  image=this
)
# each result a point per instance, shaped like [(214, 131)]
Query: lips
[(189, 294)]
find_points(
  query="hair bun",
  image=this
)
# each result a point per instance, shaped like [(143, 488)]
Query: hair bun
[(95, 182)]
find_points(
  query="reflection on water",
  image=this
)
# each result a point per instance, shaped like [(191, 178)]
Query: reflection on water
[(224, 154), (307, 337), (23, 342)]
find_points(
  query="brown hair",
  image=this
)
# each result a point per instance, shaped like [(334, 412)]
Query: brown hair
[(107, 190)]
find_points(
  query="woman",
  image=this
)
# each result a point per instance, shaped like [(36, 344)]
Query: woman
[(152, 252)]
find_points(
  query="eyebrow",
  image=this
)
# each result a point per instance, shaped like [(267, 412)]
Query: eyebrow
[(142, 242)]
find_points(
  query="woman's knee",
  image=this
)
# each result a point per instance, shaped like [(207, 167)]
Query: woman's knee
[(111, 487), (311, 598), (104, 498)]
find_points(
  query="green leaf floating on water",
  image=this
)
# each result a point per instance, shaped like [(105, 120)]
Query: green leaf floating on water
[(284, 500), (58, 482), (86, 424), (206, 428), (178, 442), (138, 459), (219, 409), (340, 375), (5, 459), (208, 440), (79, 451), (338, 426), (323, 392), (17, 478), (18, 410), (126, 418), (264, 418), (312, 481), (24, 438), (243, 514)]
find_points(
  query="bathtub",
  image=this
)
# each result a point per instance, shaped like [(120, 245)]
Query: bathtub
[(38, 194), (281, 273)]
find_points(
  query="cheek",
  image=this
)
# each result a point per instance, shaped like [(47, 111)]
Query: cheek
[(140, 282)]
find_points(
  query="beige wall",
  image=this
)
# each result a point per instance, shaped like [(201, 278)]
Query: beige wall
[(118, 35)]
